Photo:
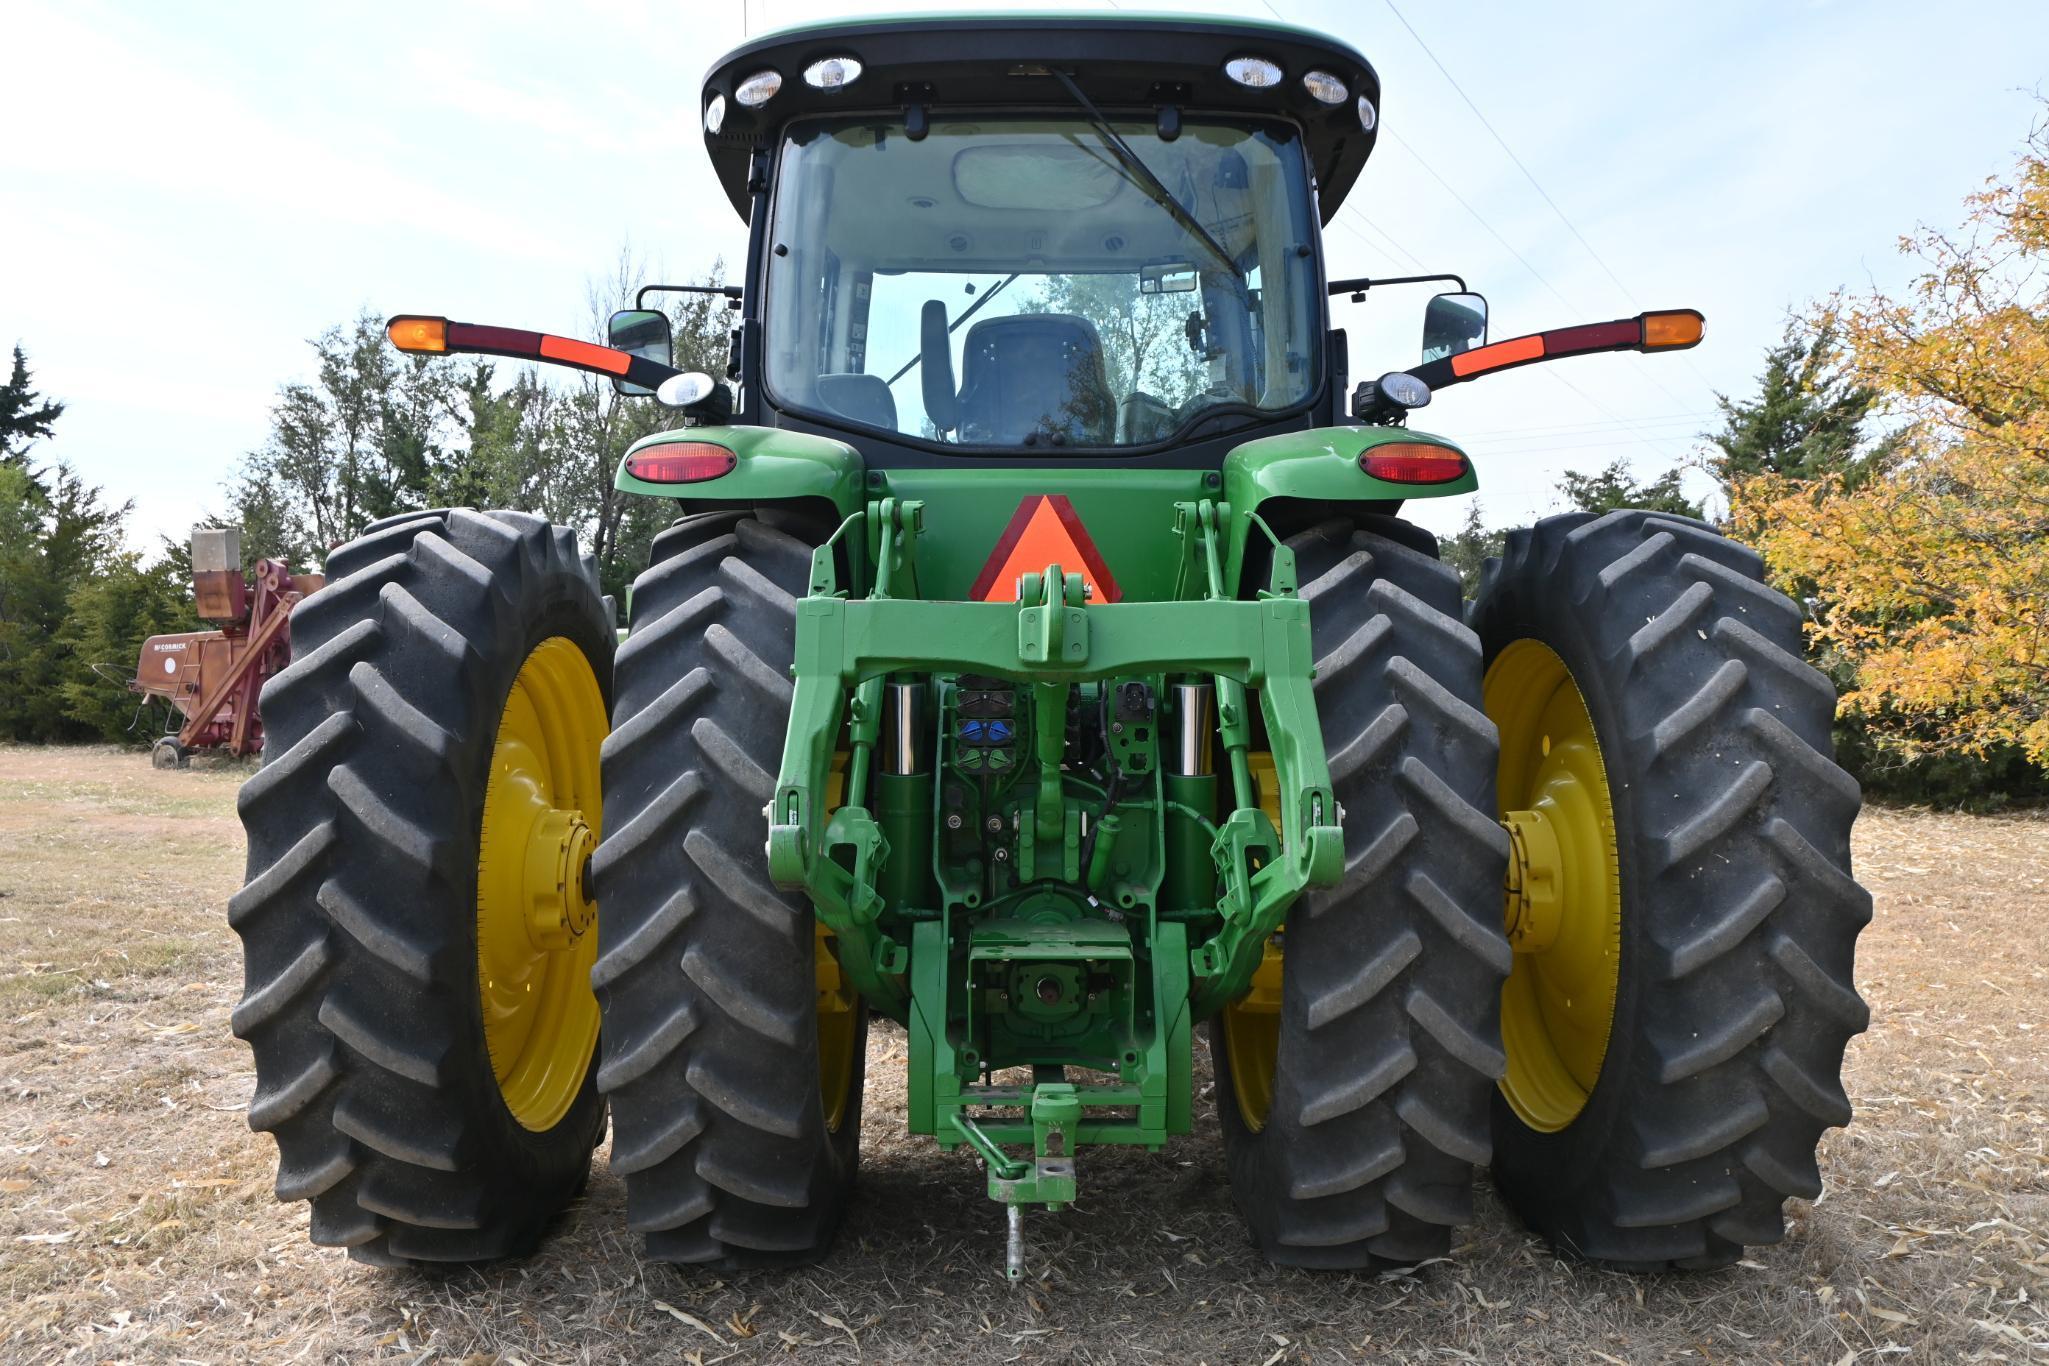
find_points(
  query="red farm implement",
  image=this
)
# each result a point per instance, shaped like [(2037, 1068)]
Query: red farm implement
[(212, 678)]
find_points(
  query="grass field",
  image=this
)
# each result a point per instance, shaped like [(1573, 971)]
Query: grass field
[(137, 1223)]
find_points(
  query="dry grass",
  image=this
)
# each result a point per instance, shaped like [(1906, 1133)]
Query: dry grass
[(136, 1221)]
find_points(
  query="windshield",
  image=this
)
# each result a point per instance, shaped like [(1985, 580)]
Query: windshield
[(1010, 281)]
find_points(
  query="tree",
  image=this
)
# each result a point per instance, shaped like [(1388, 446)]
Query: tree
[(1614, 487), (703, 329), (1807, 420), (1932, 574), (50, 543), (106, 619), (1470, 547), (358, 443), (21, 501), (1144, 336), (25, 415)]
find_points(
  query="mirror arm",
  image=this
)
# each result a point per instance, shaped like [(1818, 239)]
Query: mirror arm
[(1357, 287), (422, 335), (731, 293), (1623, 334)]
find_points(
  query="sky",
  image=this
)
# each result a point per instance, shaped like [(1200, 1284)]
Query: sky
[(189, 192)]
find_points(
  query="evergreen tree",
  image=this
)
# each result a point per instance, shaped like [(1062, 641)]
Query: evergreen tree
[(25, 415), (50, 544), (1612, 488), (1807, 418), (106, 619)]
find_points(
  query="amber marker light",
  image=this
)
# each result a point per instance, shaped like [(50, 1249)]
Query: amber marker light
[(1674, 328), (1514, 351), (418, 335), (1412, 462)]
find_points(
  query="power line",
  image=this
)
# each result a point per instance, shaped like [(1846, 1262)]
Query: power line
[(1507, 246), (1480, 218), (1382, 252), (1588, 428), (1628, 294), (1503, 144), (1388, 237), (1490, 451)]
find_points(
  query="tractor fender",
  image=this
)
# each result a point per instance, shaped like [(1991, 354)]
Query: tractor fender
[(770, 466), (1321, 464)]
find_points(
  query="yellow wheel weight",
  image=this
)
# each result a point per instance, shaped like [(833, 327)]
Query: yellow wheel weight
[(536, 922), (1563, 903), (1252, 1024), (838, 1021)]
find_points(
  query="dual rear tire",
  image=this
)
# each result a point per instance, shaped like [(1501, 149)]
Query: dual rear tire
[(1675, 1042), (1673, 991), (420, 926)]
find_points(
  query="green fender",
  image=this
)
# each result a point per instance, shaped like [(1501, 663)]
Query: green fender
[(770, 465), (1320, 464)]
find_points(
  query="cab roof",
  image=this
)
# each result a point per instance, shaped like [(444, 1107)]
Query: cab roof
[(1122, 61)]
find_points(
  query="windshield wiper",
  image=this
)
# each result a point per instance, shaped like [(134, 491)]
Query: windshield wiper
[(1143, 175)]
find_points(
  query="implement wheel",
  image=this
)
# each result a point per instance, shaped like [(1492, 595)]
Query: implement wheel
[(1352, 1083), (1679, 897), (734, 1053), (417, 925)]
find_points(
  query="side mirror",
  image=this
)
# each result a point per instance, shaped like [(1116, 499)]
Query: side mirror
[(1453, 323), (640, 332)]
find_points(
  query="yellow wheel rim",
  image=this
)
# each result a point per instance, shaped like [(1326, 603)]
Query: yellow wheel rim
[(1252, 1025), (536, 922), (1563, 910), (838, 1034), (838, 1009)]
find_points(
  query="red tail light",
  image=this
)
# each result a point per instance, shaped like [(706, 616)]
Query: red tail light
[(1413, 462), (681, 462)]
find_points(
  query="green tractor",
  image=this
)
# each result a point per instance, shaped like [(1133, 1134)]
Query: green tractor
[(1040, 658)]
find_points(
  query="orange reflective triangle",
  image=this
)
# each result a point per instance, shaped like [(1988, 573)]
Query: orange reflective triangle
[(1044, 530)]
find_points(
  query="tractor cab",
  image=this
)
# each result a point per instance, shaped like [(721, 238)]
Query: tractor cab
[(1081, 236)]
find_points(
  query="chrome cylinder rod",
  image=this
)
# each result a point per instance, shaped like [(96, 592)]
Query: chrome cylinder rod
[(1195, 723), (906, 744)]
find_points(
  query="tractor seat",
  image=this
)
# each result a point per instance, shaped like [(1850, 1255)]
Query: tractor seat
[(1037, 377)]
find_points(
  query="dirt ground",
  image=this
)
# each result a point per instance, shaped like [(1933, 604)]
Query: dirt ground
[(137, 1223)]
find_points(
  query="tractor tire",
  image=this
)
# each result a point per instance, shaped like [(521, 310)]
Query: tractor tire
[(369, 908), (1730, 914), (1385, 1048), (717, 1053)]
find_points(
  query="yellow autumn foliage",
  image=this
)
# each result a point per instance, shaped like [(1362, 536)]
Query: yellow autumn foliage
[(1929, 578)]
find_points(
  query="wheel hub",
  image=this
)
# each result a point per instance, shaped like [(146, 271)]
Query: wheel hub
[(558, 902), (1532, 904)]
